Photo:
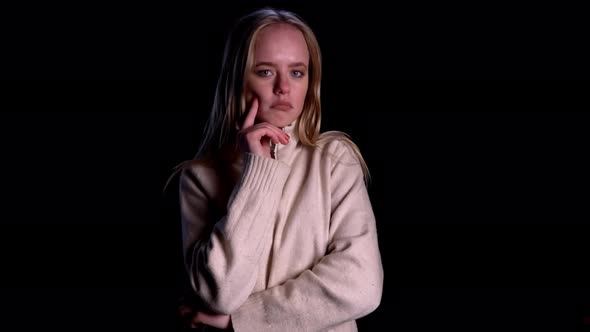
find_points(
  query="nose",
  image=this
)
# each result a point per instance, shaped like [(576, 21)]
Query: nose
[(282, 84)]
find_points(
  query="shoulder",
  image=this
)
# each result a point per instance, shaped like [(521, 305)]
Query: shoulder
[(339, 148)]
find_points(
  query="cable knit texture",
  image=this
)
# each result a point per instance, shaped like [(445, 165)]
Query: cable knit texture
[(285, 244)]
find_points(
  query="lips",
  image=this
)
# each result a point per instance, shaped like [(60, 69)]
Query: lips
[(282, 106)]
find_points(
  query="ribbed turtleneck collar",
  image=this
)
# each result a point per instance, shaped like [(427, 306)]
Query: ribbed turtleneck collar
[(283, 152)]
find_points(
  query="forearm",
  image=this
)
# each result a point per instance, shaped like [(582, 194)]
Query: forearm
[(223, 266), (345, 285)]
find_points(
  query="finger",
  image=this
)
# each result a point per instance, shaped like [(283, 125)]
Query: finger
[(198, 318), (194, 319), (269, 136), (251, 116), (276, 139), (274, 133), (184, 310)]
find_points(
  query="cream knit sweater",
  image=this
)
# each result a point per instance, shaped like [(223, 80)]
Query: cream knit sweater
[(285, 244)]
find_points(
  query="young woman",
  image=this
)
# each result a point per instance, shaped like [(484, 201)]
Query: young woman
[(278, 229)]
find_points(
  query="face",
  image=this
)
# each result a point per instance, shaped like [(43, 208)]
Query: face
[(279, 75)]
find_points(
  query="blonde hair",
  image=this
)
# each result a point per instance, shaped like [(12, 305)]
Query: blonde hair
[(229, 104)]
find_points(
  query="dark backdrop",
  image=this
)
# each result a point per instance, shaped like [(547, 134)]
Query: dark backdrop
[(479, 186)]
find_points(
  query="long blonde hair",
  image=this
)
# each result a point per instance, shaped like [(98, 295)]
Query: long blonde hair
[(229, 104)]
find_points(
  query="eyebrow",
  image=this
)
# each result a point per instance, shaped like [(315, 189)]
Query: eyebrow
[(272, 64)]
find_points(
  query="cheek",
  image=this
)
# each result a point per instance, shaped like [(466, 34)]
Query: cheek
[(249, 91), (302, 93), (257, 90)]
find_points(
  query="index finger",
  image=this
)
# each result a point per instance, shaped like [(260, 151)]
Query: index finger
[(251, 116)]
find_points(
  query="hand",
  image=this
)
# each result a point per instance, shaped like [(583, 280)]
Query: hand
[(256, 138), (198, 318)]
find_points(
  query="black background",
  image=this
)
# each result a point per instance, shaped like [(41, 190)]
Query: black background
[(468, 116)]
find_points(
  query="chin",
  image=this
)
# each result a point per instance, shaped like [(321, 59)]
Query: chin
[(278, 121), (279, 124)]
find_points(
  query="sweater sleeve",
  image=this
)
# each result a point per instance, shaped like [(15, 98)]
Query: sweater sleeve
[(222, 255), (344, 285)]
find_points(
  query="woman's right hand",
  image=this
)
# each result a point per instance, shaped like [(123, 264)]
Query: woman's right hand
[(194, 318), (256, 138)]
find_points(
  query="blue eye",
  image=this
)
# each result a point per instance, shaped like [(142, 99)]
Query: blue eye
[(264, 72), (298, 73)]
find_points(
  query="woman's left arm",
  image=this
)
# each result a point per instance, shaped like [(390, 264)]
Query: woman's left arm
[(344, 285)]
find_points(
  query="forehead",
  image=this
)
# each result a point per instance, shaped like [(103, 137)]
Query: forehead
[(281, 40)]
